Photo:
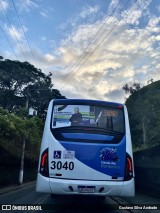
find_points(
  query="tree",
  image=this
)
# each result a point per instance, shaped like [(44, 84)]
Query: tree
[(21, 82), (13, 129), (131, 89), (144, 115), (150, 81), (40, 94)]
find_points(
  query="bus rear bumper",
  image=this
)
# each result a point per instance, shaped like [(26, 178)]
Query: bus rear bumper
[(102, 188)]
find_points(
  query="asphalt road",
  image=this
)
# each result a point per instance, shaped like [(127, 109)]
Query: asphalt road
[(28, 195)]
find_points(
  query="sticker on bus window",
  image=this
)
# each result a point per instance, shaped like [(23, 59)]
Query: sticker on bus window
[(110, 113), (71, 115), (68, 154)]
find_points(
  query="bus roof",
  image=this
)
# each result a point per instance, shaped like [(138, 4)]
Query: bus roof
[(85, 101)]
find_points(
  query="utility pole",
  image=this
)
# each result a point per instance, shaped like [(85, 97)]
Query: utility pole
[(22, 162), (23, 147)]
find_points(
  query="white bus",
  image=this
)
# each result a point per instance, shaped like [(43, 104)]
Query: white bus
[(86, 149)]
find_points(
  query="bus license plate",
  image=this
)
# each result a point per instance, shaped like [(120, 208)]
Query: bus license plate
[(86, 189)]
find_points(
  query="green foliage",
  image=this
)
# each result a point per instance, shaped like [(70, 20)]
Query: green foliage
[(21, 82), (144, 115), (131, 89), (21, 86), (13, 129)]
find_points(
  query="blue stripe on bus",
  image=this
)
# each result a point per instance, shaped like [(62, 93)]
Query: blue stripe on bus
[(87, 136), (99, 156)]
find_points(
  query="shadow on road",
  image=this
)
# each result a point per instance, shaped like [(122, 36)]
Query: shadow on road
[(79, 204)]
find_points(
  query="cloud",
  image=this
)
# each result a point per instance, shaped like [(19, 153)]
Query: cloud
[(158, 8), (27, 5), (88, 10), (129, 53), (49, 57), (5, 5), (87, 14), (133, 17), (112, 6), (13, 32), (44, 14), (43, 38), (136, 12), (126, 55), (153, 25), (46, 61), (116, 94)]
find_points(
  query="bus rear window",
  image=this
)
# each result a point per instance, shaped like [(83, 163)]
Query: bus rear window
[(97, 117)]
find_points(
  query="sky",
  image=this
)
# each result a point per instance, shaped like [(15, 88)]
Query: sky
[(91, 47)]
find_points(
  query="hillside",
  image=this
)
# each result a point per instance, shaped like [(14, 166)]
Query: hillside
[(144, 115)]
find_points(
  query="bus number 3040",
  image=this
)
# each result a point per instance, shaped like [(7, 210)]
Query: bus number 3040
[(59, 165)]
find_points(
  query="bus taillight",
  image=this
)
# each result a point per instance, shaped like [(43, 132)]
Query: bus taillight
[(128, 168), (44, 164), (120, 107)]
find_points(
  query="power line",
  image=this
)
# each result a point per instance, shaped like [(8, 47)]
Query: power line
[(98, 37), (99, 43), (12, 30), (9, 43), (66, 79), (92, 41), (23, 31)]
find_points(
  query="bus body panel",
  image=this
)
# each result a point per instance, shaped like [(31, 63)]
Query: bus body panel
[(128, 189), (85, 172), (43, 184), (88, 161), (46, 133), (80, 171)]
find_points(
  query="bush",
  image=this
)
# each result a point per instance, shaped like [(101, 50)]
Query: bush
[(13, 129)]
